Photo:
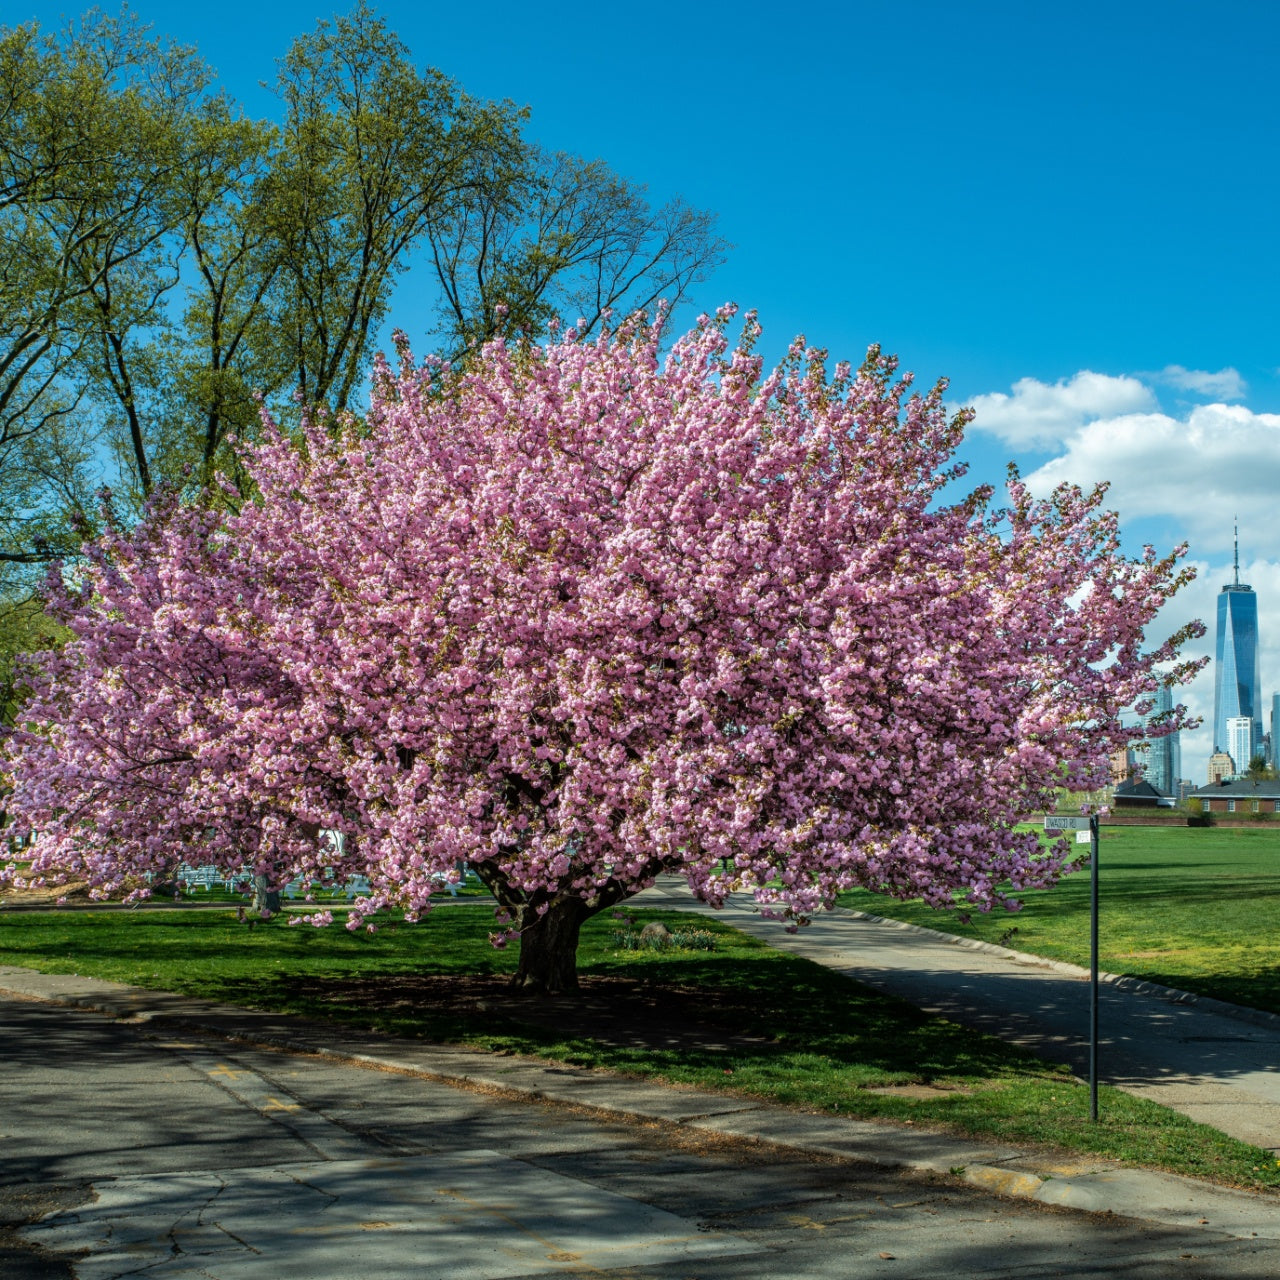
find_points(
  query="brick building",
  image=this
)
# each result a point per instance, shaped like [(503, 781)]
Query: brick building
[(1243, 796)]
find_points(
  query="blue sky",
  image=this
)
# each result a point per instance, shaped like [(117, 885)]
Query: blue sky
[(1070, 210)]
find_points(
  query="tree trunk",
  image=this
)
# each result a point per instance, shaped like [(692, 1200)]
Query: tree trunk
[(264, 897), (549, 948)]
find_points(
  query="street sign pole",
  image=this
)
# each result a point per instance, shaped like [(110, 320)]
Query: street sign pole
[(1093, 967), (1080, 826)]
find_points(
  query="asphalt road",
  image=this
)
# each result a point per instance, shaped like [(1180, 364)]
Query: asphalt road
[(126, 1153)]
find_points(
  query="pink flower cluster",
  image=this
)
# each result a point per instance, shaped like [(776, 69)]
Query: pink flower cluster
[(585, 613)]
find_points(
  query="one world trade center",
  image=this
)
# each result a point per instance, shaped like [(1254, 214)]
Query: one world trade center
[(1236, 673)]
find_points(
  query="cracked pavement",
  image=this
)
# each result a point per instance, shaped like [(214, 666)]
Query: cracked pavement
[(128, 1151)]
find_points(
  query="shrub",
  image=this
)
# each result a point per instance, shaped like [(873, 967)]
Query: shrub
[(676, 940), (1197, 814)]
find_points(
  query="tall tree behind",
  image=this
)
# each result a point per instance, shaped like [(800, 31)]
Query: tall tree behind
[(372, 152), (286, 247), (91, 138), (166, 261), (225, 351), (567, 236)]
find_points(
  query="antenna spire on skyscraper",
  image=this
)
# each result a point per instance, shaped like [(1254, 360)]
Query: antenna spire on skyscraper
[(1236, 559)]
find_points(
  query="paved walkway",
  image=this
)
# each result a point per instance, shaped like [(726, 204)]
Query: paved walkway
[(154, 1143), (1207, 1060), (1211, 1061), (1094, 1186)]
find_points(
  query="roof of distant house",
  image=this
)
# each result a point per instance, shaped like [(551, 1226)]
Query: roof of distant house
[(1262, 789), (1138, 790), (1138, 787)]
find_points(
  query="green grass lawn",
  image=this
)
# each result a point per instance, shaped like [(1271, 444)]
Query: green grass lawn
[(742, 1017), (1191, 907)]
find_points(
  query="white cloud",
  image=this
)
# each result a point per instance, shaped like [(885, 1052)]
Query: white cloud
[(1202, 470), (1193, 475), (1186, 474), (1039, 413), (1226, 384)]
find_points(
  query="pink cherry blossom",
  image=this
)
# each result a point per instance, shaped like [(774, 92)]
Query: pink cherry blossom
[(586, 613)]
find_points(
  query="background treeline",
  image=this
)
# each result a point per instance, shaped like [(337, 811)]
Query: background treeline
[(164, 259)]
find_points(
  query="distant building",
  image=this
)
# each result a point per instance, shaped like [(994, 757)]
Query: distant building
[(1121, 764), (1137, 793), (1161, 757), (1274, 759), (1220, 767), (1240, 795), (1237, 674), (1240, 741)]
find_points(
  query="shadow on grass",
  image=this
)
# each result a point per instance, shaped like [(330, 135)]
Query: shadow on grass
[(742, 1006), (691, 1015)]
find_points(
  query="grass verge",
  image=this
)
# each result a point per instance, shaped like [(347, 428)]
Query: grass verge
[(741, 1017), (1197, 908)]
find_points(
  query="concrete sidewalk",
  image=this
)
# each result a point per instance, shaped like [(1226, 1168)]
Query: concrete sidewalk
[(1091, 1186), (1215, 1062)]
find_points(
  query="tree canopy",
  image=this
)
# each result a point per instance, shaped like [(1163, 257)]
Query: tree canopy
[(583, 613), (165, 260)]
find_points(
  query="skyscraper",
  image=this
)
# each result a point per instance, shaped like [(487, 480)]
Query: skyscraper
[(1163, 758), (1274, 762), (1236, 676), (1240, 734)]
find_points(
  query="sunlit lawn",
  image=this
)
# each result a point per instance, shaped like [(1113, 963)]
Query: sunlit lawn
[(743, 1017), (1197, 908)]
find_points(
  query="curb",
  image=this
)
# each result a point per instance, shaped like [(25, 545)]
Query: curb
[(1169, 1199), (1122, 981)]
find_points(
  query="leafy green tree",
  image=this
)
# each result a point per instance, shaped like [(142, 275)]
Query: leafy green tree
[(24, 628), (372, 151), (168, 264), (224, 350), (91, 136), (1260, 771)]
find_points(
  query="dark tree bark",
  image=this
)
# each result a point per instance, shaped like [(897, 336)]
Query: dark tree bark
[(549, 947), (548, 962)]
